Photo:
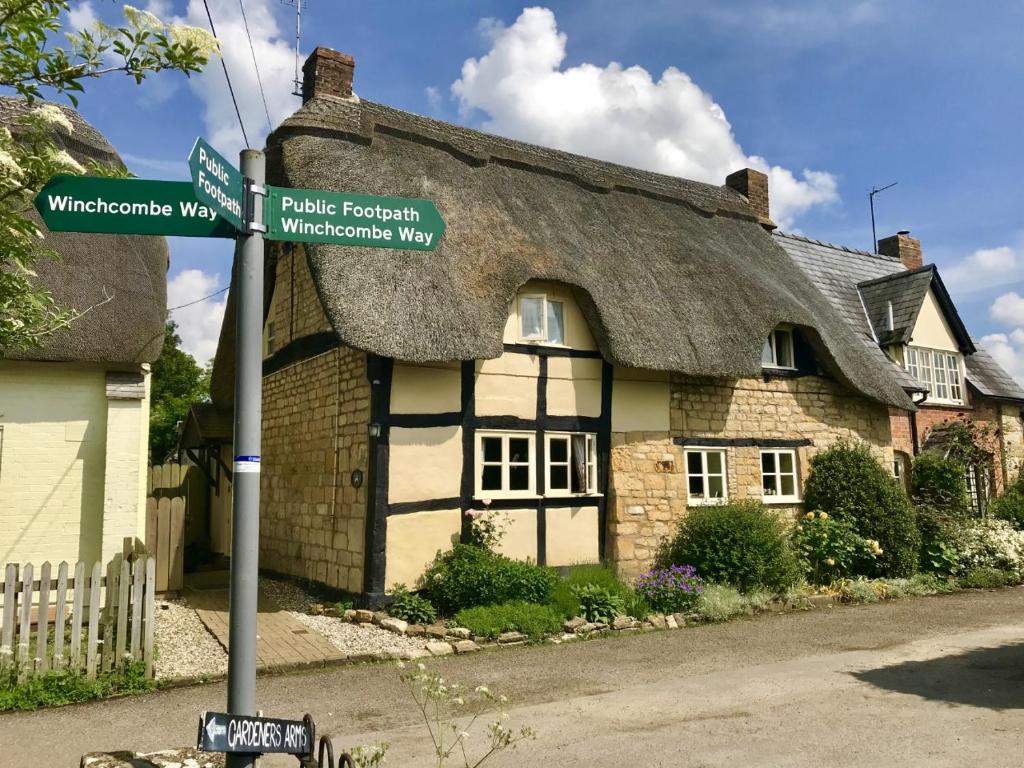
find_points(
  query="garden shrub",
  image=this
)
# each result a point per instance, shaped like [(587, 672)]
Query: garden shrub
[(58, 688), (742, 544), (467, 576), (939, 533), (1010, 506), (670, 590), (993, 544), (862, 591), (598, 603), (849, 484), (940, 483), (987, 578), (408, 606), (634, 604), (564, 597), (535, 621), (829, 549), (720, 603)]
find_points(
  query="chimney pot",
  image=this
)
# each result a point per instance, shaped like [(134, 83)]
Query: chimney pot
[(903, 247), (327, 73), (753, 185)]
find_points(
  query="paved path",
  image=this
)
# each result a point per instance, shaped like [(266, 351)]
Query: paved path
[(931, 682), (281, 640)]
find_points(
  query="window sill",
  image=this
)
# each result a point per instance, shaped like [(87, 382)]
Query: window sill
[(560, 495), (505, 497), (781, 500), (698, 502), (773, 372)]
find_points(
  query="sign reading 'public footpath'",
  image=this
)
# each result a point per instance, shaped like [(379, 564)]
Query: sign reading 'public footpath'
[(217, 182), (221, 732), (318, 216), (127, 207)]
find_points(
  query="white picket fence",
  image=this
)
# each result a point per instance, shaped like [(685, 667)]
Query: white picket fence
[(92, 620)]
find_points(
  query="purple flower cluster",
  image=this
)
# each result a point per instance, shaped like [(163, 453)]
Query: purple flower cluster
[(672, 589)]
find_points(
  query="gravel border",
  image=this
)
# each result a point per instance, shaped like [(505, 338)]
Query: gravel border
[(184, 646)]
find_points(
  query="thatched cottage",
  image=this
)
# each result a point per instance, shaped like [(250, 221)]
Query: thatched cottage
[(74, 413), (591, 349)]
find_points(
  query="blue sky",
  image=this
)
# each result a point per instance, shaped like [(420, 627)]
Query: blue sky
[(857, 94)]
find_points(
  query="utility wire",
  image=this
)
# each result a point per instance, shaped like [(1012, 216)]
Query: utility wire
[(266, 109), (227, 77), (197, 301)]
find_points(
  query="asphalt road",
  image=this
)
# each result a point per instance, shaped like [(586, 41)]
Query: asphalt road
[(926, 682)]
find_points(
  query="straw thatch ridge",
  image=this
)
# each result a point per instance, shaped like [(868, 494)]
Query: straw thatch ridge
[(671, 274), (132, 269)]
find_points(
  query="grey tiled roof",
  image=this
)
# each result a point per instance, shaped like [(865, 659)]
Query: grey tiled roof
[(837, 271)]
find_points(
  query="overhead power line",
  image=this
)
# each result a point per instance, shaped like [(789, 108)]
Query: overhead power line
[(198, 301), (266, 109), (227, 77)]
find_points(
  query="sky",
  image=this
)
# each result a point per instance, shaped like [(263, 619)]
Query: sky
[(829, 99)]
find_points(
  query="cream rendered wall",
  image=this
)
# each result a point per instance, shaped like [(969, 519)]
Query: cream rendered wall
[(640, 401), (572, 536), (426, 388), (931, 329), (54, 419), (124, 491), (507, 386), (520, 538), (574, 386), (424, 463), (414, 539)]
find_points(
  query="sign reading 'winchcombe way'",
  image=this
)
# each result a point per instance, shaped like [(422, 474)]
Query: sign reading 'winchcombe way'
[(240, 734), (127, 206), (317, 216), (218, 183)]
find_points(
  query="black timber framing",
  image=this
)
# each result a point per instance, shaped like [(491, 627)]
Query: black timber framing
[(301, 349), (379, 371)]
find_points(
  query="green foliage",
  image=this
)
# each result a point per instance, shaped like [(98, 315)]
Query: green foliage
[(598, 603), (720, 603), (1010, 506), (564, 598), (829, 549), (742, 544), (940, 483), (467, 576), (670, 590), (940, 533), (59, 688), (487, 528), (408, 606), (862, 591), (30, 63), (634, 604), (987, 578), (849, 484), (178, 382), (535, 621)]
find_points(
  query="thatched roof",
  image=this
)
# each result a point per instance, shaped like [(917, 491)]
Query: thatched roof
[(129, 328), (671, 274)]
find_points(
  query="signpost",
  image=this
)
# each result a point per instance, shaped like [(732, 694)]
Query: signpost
[(128, 206), (225, 202), (218, 183)]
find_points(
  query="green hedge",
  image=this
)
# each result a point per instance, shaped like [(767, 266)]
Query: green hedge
[(467, 576), (940, 483), (847, 482), (742, 544), (1010, 506)]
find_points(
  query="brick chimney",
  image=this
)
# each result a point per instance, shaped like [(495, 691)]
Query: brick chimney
[(753, 185), (327, 73), (903, 247)]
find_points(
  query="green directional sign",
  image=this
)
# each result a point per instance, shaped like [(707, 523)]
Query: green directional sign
[(317, 216), (218, 183), (127, 207)]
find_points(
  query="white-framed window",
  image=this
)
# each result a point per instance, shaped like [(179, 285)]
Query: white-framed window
[(505, 464), (778, 349), (571, 459), (705, 477), (271, 337), (940, 371), (779, 475), (541, 320)]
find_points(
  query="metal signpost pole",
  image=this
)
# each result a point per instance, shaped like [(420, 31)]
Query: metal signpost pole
[(245, 502)]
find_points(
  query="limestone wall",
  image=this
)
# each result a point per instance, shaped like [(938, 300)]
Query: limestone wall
[(1012, 428)]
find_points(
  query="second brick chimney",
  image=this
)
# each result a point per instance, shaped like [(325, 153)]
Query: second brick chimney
[(903, 247), (327, 73), (753, 185)]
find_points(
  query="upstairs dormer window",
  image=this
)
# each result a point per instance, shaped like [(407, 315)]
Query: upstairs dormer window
[(940, 371), (541, 320), (778, 349)]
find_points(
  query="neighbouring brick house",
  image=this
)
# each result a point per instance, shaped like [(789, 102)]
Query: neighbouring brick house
[(74, 412), (591, 349)]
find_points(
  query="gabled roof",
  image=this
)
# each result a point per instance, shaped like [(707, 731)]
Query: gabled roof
[(671, 274), (860, 284), (127, 327), (906, 291)]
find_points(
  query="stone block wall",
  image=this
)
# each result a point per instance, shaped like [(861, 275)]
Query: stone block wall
[(312, 518), (1012, 440), (648, 471)]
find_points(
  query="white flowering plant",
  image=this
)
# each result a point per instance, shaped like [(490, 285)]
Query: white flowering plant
[(30, 150), (990, 544), (451, 713)]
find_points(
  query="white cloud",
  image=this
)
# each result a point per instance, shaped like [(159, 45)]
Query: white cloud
[(434, 100), (82, 16), (616, 113), (986, 268), (198, 324), (1008, 308), (275, 55), (1008, 350)]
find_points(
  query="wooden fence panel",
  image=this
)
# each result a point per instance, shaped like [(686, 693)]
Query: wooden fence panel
[(25, 637), (60, 616), (107, 617), (43, 620), (139, 576), (10, 606), (147, 651), (94, 622), (124, 585), (76, 617)]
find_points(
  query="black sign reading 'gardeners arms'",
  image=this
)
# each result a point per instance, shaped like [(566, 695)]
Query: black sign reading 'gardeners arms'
[(221, 732)]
